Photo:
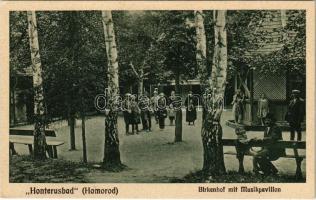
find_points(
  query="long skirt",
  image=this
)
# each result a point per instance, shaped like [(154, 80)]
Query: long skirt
[(190, 115)]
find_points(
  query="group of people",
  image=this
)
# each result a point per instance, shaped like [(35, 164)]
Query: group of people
[(139, 111), (294, 116), (263, 157)]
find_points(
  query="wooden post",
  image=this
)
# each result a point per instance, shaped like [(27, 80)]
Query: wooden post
[(83, 132), (49, 150), (251, 117), (240, 156), (298, 160), (30, 149), (55, 152)]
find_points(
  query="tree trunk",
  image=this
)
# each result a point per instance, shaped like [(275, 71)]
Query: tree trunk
[(211, 129), (178, 121), (83, 132), (200, 46), (111, 145), (141, 82), (201, 52), (39, 110), (72, 124), (74, 59)]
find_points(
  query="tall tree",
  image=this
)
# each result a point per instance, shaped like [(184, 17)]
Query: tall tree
[(177, 45), (211, 128), (112, 157), (200, 45), (201, 50), (39, 110), (73, 76)]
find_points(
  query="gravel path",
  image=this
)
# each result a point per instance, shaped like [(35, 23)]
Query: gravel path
[(152, 157)]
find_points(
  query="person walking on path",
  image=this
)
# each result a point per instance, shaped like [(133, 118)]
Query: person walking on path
[(127, 112), (162, 110), (238, 106), (171, 114), (263, 108), (154, 103), (206, 103), (262, 159), (135, 115), (144, 106), (190, 109), (295, 115), (172, 105)]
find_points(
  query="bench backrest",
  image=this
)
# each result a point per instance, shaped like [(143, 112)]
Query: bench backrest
[(260, 143), (29, 132), (282, 125)]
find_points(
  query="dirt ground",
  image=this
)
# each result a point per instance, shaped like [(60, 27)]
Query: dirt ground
[(152, 157)]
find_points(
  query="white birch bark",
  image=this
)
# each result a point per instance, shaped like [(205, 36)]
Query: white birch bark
[(39, 129), (200, 45), (111, 145)]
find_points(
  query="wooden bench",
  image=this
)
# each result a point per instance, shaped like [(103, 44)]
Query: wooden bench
[(241, 152), (25, 136), (284, 126)]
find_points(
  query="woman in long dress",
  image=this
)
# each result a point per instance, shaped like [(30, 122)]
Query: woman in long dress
[(135, 115), (238, 106), (190, 109), (162, 110), (263, 108)]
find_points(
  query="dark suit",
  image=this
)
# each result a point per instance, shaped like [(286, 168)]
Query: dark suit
[(270, 152), (295, 116)]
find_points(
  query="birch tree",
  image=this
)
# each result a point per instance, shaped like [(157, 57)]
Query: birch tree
[(200, 45), (111, 145), (211, 129), (39, 111)]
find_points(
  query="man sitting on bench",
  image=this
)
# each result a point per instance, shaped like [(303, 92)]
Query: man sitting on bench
[(262, 159)]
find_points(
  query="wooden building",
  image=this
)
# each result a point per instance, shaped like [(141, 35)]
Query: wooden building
[(21, 99), (276, 87)]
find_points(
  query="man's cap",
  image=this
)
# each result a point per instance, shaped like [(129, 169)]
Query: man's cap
[(296, 91)]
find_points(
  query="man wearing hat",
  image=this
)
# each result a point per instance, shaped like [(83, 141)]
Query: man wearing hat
[(262, 159), (162, 110), (126, 108), (154, 102), (295, 114)]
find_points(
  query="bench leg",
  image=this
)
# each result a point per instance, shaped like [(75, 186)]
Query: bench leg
[(298, 174), (12, 149), (49, 150), (55, 152), (30, 149), (241, 169), (240, 156)]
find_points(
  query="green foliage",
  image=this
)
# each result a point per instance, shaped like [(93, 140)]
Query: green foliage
[(246, 35), (73, 58), (177, 44), (19, 42), (292, 56), (162, 43), (135, 33)]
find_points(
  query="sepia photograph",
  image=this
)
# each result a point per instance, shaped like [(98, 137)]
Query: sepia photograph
[(213, 99), (157, 96)]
